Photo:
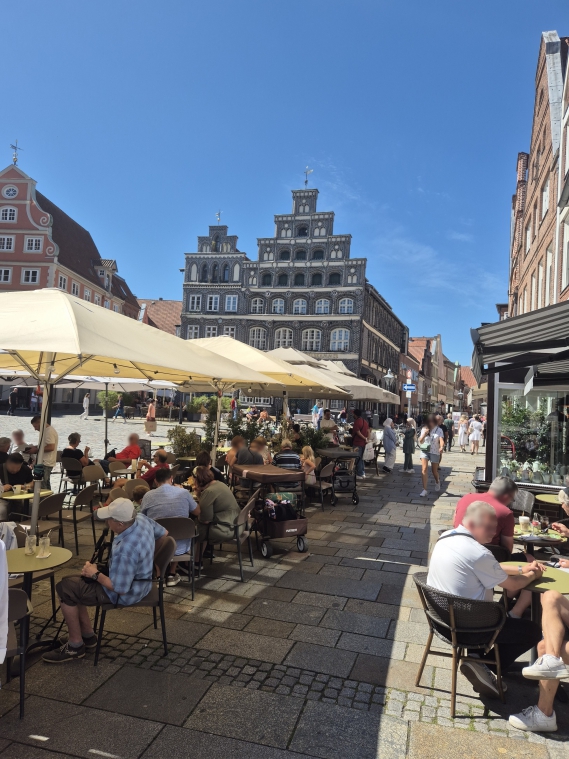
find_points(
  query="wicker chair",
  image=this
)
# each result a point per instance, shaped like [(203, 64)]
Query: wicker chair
[(523, 503), (469, 625)]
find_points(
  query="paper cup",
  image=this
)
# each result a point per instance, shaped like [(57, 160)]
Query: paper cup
[(17, 489)]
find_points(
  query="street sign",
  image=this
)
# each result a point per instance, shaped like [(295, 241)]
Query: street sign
[(409, 374), (408, 394), (409, 388)]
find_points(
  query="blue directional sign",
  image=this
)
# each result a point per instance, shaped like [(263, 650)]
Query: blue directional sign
[(409, 388)]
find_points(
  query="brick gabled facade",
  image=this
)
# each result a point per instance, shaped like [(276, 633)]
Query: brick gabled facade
[(41, 246)]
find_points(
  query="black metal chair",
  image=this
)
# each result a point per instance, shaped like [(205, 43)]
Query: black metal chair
[(71, 474), (524, 502), (84, 497), (463, 624), (155, 599), (241, 533), (183, 528), (19, 607)]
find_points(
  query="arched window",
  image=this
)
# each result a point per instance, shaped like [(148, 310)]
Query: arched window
[(286, 232), (278, 306), (300, 255), (226, 273), (257, 306), (284, 255), (215, 243), (334, 278), (318, 255), (215, 273), (299, 279), (267, 280), (316, 280), (299, 306), (283, 338), (311, 339), (203, 277), (226, 247), (258, 338), (346, 306), (206, 248), (323, 306), (236, 273), (193, 273), (303, 207), (8, 214), (339, 340), (282, 280), (302, 231)]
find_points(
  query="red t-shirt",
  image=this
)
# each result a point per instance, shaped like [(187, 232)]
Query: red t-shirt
[(150, 474), (360, 433), (130, 452), (505, 515)]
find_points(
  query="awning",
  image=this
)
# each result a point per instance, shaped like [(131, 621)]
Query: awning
[(539, 339)]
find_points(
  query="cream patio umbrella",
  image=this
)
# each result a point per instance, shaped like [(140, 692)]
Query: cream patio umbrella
[(54, 335)]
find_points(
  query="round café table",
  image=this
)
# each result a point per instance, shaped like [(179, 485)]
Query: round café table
[(23, 497), (542, 540), (552, 579), (550, 498), (125, 472)]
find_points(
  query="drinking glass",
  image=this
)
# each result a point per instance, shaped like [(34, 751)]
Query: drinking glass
[(544, 523), (30, 548), (44, 547), (524, 524), (17, 489)]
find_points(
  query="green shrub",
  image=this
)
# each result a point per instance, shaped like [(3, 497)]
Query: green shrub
[(107, 400), (184, 442)]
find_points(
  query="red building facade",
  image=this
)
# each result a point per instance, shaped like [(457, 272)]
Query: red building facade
[(41, 246)]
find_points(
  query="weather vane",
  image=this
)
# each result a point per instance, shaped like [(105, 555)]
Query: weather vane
[(307, 171), (218, 217), (15, 148)]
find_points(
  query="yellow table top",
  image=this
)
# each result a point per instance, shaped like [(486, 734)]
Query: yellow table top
[(548, 498), (224, 448), (11, 496), (18, 562), (552, 579), (545, 539)]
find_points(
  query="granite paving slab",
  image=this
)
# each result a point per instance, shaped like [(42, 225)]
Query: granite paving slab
[(285, 612), (336, 732), (334, 586), (241, 643), (178, 631), (126, 622), (433, 742), (77, 730), (328, 661), (316, 599), (272, 627), (160, 696), (213, 617), (72, 683), (381, 670), (349, 621), (20, 751), (247, 715), (365, 644)]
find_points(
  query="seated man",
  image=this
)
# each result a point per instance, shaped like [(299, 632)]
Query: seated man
[(130, 569), (167, 500), (72, 451), (462, 566), (19, 445), (247, 456), (13, 472), (5, 443), (132, 451), (203, 458), (551, 666), (500, 496), (286, 458), (160, 460)]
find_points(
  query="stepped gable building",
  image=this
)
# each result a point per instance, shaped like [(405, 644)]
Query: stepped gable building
[(41, 246), (304, 291)]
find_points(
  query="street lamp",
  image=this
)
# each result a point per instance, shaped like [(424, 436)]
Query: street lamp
[(388, 381)]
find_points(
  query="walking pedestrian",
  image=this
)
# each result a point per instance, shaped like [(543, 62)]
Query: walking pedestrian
[(86, 401), (119, 409), (463, 433), (150, 423), (13, 401), (475, 431), (389, 445), (431, 443), (449, 426), (483, 420), (409, 446)]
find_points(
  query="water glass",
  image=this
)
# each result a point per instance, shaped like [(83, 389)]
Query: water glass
[(44, 547), (30, 548)]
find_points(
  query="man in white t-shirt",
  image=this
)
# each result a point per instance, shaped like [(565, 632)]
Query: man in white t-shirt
[(328, 425), (49, 450), (462, 566)]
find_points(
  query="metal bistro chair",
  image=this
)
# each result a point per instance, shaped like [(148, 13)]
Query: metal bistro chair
[(19, 607), (468, 625), (524, 502), (146, 449), (71, 473), (115, 466), (155, 599), (130, 485), (53, 504), (93, 474), (241, 533), (324, 482), (183, 528), (84, 497)]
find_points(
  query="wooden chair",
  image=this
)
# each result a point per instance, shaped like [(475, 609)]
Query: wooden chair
[(462, 624), (183, 528), (19, 607), (53, 504), (324, 481), (155, 598), (84, 497)]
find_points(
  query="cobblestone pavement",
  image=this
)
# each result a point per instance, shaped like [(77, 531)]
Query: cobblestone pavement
[(315, 655)]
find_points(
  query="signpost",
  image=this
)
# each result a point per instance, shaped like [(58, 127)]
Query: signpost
[(409, 388)]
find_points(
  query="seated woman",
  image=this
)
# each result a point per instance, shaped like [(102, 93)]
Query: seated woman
[(231, 454), (218, 508), (74, 452), (203, 458), (296, 437), (264, 416)]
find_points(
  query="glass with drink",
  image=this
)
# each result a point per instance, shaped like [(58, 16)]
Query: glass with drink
[(536, 524), (524, 524), (30, 548), (44, 552)]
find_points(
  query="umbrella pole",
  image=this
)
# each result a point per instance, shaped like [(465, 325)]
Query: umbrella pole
[(216, 430), (106, 416), (285, 405), (47, 390)]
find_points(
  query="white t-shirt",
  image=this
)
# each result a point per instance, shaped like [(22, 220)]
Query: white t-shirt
[(433, 439), (51, 438), (464, 567), (327, 424)]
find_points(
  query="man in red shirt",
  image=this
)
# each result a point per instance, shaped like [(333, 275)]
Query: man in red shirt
[(360, 433), (500, 496), (160, 462), (132, 451)]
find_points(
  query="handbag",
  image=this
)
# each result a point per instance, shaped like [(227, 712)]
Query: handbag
[(150, 425), (369, 453)]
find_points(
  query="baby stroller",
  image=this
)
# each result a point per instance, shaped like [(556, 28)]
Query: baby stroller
[(344, 480), (277, 517)]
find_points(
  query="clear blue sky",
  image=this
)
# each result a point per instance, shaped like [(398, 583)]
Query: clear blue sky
[(141, 119)]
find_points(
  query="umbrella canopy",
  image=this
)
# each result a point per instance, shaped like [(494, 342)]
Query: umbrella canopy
[(298, 381), (292, 356)]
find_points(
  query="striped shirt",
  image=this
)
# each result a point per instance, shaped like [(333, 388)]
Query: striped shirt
[(288, 459)]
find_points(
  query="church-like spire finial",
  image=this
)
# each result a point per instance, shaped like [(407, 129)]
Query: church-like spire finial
[(15, 148), (218, 217), (307, 171)]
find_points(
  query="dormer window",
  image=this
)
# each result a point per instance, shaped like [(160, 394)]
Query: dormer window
[(302, 231)]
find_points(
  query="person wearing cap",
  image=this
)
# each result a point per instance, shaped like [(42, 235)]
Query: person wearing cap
[(129, 579)]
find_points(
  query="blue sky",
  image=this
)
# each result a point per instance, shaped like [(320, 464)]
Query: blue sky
[(141, 120)]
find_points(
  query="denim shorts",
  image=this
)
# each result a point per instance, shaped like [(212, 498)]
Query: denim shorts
[(434, 458)]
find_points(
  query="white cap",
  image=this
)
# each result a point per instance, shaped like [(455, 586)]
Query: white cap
[(122, 510)]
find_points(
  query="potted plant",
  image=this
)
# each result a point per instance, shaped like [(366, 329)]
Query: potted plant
[(193, 410), (546, 474), (184, 442)]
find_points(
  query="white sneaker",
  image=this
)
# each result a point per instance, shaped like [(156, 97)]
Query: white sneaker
[(410, 471), (423, 493), (534, 720), (482, 679), (172, 580), (437, 486), (547, 667)]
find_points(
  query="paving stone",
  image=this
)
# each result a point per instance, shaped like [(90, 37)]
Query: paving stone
[(178, 631), (269, 719), (380, 670), (312, 634), (351, 573), (267, 648), (78, 730), (365, 644), (71, 683), (271, 627), (330, 585), (334, 732), (433, 741), (382, 610), (410, 632), (348, 621), (19, 751), (285, 612), (211, 617), (324, 660), (316, 599)]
